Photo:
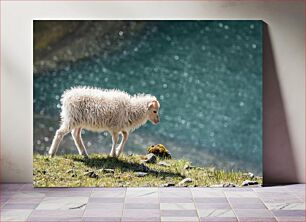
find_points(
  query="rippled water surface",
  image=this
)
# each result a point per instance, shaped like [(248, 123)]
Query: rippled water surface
[(207, 76)]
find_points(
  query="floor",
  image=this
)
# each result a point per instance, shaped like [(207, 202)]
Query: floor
[(21, 202)]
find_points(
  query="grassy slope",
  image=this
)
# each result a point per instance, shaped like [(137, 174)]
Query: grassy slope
[(68, 171)]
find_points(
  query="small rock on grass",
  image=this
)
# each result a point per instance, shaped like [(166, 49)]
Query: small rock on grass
[(223, 185), (185, 181), (107, 170), (187, 166), (150, 158), (229, 185), (163, 163), (249, 174), (249, 183), (91, 174), (140, 174), (168, 185), (70, 171), (143, 168)]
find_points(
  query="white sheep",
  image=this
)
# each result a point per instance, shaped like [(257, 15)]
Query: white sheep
[(103, 110)]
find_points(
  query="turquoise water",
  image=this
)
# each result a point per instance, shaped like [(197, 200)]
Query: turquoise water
[(207, 76)]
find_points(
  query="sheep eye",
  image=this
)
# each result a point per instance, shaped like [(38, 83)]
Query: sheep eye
[(154, 111)]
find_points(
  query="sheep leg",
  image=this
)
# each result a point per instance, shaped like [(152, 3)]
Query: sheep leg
[(115, 140), (60, 133), (76, 135), (120, 148)]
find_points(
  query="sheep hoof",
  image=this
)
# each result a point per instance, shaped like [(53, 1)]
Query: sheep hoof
[(51, 155), (85, 156), (112, 155), (118, 153)]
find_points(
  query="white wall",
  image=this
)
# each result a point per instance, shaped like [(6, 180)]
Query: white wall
[(284, 115)]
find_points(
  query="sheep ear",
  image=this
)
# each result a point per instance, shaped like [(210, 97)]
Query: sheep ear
[(150, 104)]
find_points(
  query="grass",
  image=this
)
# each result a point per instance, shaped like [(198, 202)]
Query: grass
[(74, 171)]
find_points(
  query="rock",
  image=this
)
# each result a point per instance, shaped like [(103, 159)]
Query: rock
[(249, 183), (70, 171), (185, 181), (150, 158), (251, 175), (88, 173), (168, 185), (163, 163), (187, 166), (140, 174), (107, 170), (223, 185), (159, 150), (91, 174), (143, 168), (229, 185)]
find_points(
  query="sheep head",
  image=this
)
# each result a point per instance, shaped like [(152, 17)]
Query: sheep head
[(153, 108)]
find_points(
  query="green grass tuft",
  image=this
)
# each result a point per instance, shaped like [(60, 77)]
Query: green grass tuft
[(74, 171)]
